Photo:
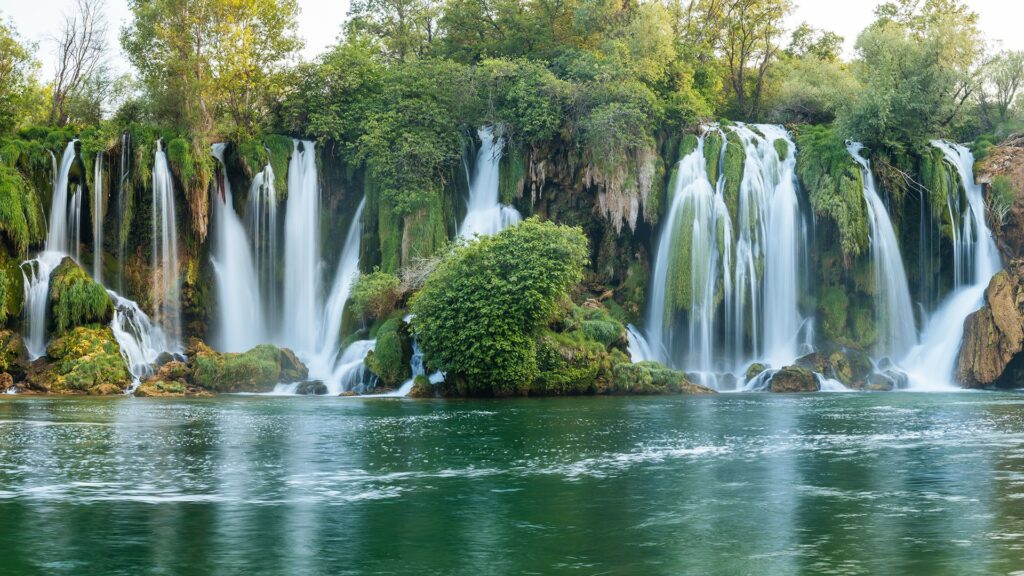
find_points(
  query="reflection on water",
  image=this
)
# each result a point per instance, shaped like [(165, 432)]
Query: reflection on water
[(845, 484)]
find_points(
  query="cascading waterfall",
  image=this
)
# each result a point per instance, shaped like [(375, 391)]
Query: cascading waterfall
[(744, 276), (322, 365), (75, 224), (639, 349), (485, 213), (36, 272), (894, 311), (140, 340), (930, 364), (261, 223), (241, 324), (97, 219), (58, 233), (122, 190), (166, 284), (302, 286)]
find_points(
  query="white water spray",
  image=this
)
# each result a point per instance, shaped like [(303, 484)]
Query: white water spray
[(166, 283), (303, 307), (485, 213)]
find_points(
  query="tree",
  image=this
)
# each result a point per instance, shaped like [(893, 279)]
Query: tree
[(1004, 81), (480, 313), (81, 49), (18, 87), (404, 29), (753, 29), (211, 64), (820, 44), (918, 65)]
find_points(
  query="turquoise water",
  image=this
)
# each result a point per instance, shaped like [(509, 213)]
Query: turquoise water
[(731, 484)]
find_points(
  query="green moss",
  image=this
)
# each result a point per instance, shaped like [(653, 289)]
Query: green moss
[(598, 325), (511, 176), (280, 151), (713, 153), (647, 378), (687, 145), (87, 360), (735, 158), (864, 329), (257, 370), (20, 211), (374, 295), (781, 148), (389, 359), (76, 300), (833, 304), (834, 183)]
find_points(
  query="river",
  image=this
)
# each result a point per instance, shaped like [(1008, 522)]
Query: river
[(906, 483)]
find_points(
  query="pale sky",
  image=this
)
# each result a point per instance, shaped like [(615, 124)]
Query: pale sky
[(320, 22)]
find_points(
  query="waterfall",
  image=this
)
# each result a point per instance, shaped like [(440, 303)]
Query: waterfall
[(261, 223), (744, 274), (122, 189), (302, 286), (36, 275), (241, 324), (97, 219), (141, 342), (322, 363), (894, 311), (485, 214), (36, 272), (930, 365), (75, 224), (57, 235), (351, 372), (639, 349), (166, 284)]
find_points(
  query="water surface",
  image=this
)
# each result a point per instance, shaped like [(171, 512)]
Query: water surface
[(730, 484)]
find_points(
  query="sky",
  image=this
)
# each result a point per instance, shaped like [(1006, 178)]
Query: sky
[(320, 22)]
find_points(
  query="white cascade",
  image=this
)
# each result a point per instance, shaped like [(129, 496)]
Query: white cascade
[(485, 213), (418, 369), (241, 325), (745, 276), (323, 362), (140, 340), (930, 365), (75, 223), (123, 189), (36, 272), (166, 283), (302, 286), (639, 349), (350, 372), (261, 223), (97, 219), (894, 310)]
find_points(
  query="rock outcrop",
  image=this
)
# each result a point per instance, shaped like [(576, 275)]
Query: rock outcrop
[(257, 370), (85, 360), (794, 379), (994, 335), (1007, 160)]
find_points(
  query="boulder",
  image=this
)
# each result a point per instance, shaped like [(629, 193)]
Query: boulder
[(311, 388), (422, 388), (754, 370), (75, 299), (85, 360), (172, 379), (794, 379), (815, 362), (994, 335), (1007, 160), (257, 370)]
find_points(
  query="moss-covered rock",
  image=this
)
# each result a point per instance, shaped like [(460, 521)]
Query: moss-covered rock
[(650, 378), (75, 300), (257, 370), (794, 379), (172, 379), (754, 370), (13, 355), (85, 360), (422, 388)]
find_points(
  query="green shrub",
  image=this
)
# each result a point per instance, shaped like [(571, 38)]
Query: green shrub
[(390, 357), (374, 295), (480, 312)]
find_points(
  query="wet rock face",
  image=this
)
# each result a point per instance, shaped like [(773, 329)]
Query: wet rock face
[(85, 360), (994, 335), (794, 379), (257, 370)]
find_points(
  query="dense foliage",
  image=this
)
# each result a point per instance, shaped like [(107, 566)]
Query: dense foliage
[(480, 313)]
